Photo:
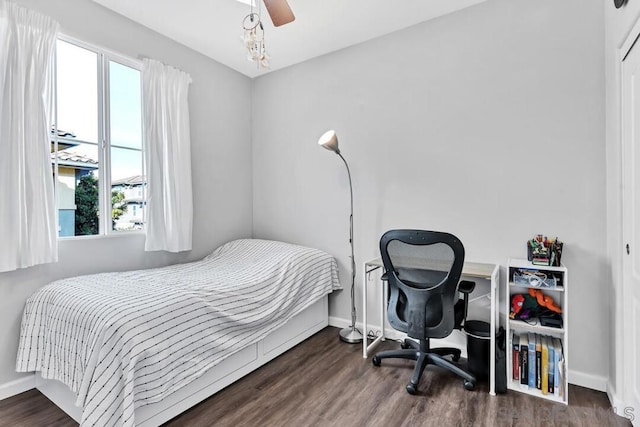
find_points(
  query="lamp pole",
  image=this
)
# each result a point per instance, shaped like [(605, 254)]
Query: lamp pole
[(351, 334)]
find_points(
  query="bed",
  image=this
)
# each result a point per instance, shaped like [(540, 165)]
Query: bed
[(140, 347)]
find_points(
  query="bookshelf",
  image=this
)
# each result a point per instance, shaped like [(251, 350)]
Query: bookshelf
[(550, 341)]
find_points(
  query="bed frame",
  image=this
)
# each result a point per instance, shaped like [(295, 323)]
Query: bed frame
[(299, 328)]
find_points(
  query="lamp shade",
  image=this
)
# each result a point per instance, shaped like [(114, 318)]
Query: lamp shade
[(329, 140)]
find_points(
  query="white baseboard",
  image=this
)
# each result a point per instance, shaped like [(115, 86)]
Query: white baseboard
[(582, 379), (339, 322), (616, 403), (456, 341), (619, 407), (18, 386), (594, 382)]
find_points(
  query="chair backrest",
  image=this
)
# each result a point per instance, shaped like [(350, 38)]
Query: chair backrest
[(423, 270)]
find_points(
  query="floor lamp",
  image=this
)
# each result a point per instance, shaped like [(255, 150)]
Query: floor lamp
[(350, 334)]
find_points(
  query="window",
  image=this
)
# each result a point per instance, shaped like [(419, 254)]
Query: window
[(97, 155)]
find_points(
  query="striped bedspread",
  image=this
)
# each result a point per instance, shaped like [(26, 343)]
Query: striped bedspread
[(123, 340)]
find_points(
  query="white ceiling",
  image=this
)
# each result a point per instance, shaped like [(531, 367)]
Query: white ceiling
[(214, 27)]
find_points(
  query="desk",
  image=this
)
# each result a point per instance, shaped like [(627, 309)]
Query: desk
[(490, 272)]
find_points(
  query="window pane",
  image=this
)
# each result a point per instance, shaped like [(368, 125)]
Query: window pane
[(127, 183), (125, 106), (77, 91), (127, 189), (77, 196)]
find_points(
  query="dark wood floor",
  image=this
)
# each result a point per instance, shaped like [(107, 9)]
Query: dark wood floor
[(323, 382)]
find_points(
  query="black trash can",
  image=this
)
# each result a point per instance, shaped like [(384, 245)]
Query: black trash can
[(478, 341)]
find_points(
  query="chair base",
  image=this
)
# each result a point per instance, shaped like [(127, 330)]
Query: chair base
[(423, 355)]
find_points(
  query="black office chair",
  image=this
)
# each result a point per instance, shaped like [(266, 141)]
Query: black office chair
[(423, 269)]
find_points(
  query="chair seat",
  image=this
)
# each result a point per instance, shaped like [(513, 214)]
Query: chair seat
[(434, 315)]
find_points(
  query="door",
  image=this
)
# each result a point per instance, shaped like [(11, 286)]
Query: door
[(631, 230)]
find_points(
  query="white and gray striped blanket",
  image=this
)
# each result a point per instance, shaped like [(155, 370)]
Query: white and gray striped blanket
[(123, 340)]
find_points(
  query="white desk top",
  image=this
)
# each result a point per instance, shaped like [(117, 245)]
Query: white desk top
[(471, 269)]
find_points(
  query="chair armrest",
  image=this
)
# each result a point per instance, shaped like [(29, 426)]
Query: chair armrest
[(466, 286)]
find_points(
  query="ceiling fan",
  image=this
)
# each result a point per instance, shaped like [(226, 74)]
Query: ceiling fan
[(279, 11)]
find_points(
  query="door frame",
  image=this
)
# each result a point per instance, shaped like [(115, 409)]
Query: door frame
[(622, 355)]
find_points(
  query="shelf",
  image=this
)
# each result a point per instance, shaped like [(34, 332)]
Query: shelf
[(513, 385), (542, 288), (536, 328), (525, 263)]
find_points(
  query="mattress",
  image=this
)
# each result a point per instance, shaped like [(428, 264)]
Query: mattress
[(123, 340)]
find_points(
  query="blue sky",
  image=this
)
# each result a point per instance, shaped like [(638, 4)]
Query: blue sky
[(77, 95)]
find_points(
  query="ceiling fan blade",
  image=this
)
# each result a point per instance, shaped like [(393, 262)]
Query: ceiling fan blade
[(279, 11)]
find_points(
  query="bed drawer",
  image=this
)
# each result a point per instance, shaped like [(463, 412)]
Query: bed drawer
[(314, 317), (231, 364)]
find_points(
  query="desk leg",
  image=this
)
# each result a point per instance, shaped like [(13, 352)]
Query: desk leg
[(381, 338), (495, 323), (367, 348), (364, 311)]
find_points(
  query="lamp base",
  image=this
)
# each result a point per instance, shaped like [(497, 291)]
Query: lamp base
[(350, 335)]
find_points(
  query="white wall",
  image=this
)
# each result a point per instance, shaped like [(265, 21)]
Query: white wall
[(219, 101), (487, 123), (618, 25)]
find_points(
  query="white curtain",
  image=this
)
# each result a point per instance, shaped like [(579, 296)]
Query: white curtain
[(167, 157), (28, 226)]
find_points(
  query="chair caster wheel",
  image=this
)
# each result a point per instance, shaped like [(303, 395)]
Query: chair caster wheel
[(376, 361), (469, 385), (403, 345), (412, 388)]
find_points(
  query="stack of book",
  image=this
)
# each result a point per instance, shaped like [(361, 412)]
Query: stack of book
[(538, 363)]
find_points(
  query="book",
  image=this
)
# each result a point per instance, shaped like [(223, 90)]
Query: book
[(538, 363), (561, 373), (532, 359), (552, 366), (540, 261), (524, 361), (558, 378), (515, 357), (545, 365)]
